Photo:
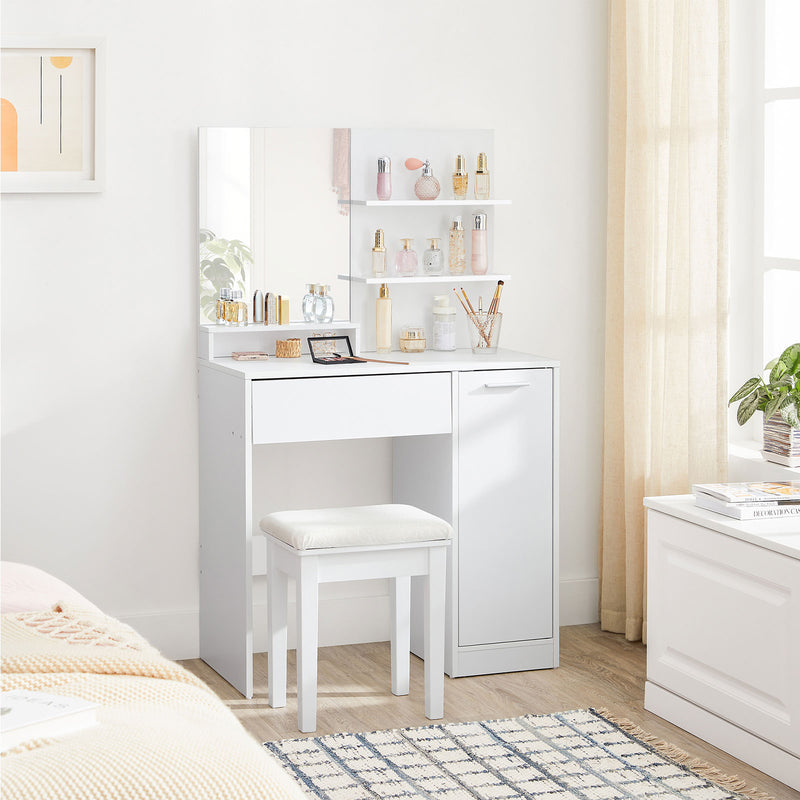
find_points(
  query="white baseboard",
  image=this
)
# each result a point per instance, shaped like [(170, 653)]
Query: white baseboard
[(344, 618)]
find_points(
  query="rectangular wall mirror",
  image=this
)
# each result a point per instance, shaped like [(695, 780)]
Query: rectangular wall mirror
[(270, 215)]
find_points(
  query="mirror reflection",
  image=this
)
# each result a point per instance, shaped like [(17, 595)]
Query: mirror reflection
[(273, 214)]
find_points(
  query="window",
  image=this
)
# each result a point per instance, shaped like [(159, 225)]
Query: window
[(765, 189), (780, 252)]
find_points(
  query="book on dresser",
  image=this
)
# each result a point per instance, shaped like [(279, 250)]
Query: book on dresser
[(754, 500), (36, 715)]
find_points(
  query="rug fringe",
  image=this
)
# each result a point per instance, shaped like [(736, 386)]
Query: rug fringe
[(679, 756)]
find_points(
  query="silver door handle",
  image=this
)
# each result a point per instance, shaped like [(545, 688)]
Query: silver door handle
[(507, 385)]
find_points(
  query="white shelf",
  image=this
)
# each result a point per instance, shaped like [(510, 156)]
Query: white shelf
[(471, 203), (489, 277)]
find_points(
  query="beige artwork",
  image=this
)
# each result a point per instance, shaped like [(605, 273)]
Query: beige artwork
[(42, 112)]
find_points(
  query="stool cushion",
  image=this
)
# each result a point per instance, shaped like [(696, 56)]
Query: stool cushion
[(365, 526)]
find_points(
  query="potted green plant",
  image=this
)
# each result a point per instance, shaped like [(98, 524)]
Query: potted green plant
[(223, 265), (779, 398)]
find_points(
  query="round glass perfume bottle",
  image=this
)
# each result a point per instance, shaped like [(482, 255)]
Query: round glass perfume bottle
[(427, 187), (433, 258), (323, 304), (308, 302), (406, 261)]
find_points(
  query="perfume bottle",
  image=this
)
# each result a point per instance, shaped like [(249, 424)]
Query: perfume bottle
[(456, 259), (308, 302), (221, 303), (405, 262), (383, 321), (379, 255), (433, 258), (384, 188), (258, 307), (480, 259), (426, 187), (482, 178), (460, 179), (323, 304)]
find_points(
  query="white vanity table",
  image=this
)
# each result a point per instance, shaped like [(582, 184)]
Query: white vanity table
[(474, 442)]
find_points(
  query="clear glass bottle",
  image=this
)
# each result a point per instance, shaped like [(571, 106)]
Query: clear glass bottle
[(238, 309), (456, 257), (379, 255), (444, 323), (308, 303), (406, 261), (323, 304), (384, 184), (427, 187), (480, 257), (460, 179), (433, 258), (482, 178)]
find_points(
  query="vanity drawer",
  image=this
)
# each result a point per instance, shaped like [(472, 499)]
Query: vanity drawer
[(358, 407)]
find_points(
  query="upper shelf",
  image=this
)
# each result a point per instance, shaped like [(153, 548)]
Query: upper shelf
[(472, 203), (409, 279)]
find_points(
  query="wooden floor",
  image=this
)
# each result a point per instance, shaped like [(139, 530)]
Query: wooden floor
[(597, 669)]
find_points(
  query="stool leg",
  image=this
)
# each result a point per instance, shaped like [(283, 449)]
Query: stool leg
[(434, 632), (276, 632), (307, 633), (401, 633)]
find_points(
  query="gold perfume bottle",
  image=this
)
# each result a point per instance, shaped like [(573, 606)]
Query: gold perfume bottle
[(482, 178), (460, 179)]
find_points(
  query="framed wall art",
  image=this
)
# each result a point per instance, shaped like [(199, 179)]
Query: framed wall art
[(52, 115)]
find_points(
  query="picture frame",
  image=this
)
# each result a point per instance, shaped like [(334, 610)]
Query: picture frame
[(326, 350), (53, 108)]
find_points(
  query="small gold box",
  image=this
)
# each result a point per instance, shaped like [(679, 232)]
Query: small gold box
[(287, 348)]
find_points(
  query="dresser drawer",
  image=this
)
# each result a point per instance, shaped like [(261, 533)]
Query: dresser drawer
[(358, 407)]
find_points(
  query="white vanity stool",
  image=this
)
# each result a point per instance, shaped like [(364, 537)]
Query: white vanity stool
[(358, 543)]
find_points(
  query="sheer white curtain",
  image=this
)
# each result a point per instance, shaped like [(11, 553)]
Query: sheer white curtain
[(667, 290)]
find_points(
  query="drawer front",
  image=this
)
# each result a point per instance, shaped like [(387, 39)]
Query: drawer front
[(358, 407), (505, 524)]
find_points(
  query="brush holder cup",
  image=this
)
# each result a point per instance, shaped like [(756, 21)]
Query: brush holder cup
[(484, 332)]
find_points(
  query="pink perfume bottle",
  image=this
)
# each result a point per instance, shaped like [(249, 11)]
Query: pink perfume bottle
[(406, 261), (480, 260), (427, 186), (384, 189)]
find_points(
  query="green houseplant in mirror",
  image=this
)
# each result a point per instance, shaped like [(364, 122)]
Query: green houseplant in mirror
[(779, 398), (223, 265)]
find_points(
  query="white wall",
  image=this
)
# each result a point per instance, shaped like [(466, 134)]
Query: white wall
[(99, 390)]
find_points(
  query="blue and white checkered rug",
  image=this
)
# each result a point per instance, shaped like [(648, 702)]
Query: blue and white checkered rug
[(576, 755)]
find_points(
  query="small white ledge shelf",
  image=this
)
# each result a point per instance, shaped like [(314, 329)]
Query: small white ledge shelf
[(421, 203), (412, 279)]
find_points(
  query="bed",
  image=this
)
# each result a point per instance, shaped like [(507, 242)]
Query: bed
[(161, 732)]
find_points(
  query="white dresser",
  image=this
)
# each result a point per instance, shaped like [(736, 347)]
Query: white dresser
[(723, 631), (474, 442)]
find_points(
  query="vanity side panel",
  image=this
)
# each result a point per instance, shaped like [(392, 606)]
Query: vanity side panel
[(226, 616)]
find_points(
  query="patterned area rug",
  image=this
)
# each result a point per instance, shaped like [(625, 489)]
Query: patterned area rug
[(575, 755)]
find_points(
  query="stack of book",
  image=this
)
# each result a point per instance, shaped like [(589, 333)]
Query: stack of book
[(750, 500), (782, 442)]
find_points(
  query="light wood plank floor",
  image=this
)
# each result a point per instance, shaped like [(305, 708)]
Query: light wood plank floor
[(597, 669)]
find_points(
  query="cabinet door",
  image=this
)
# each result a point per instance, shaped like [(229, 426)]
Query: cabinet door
[(505, 506)]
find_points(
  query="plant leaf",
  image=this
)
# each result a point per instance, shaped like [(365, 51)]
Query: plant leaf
[(747, 407), (745, 390), (774, 404), (789, 413), (790, 357)]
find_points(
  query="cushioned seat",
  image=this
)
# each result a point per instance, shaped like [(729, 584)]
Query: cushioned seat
[(354, 527), (358, 543)]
